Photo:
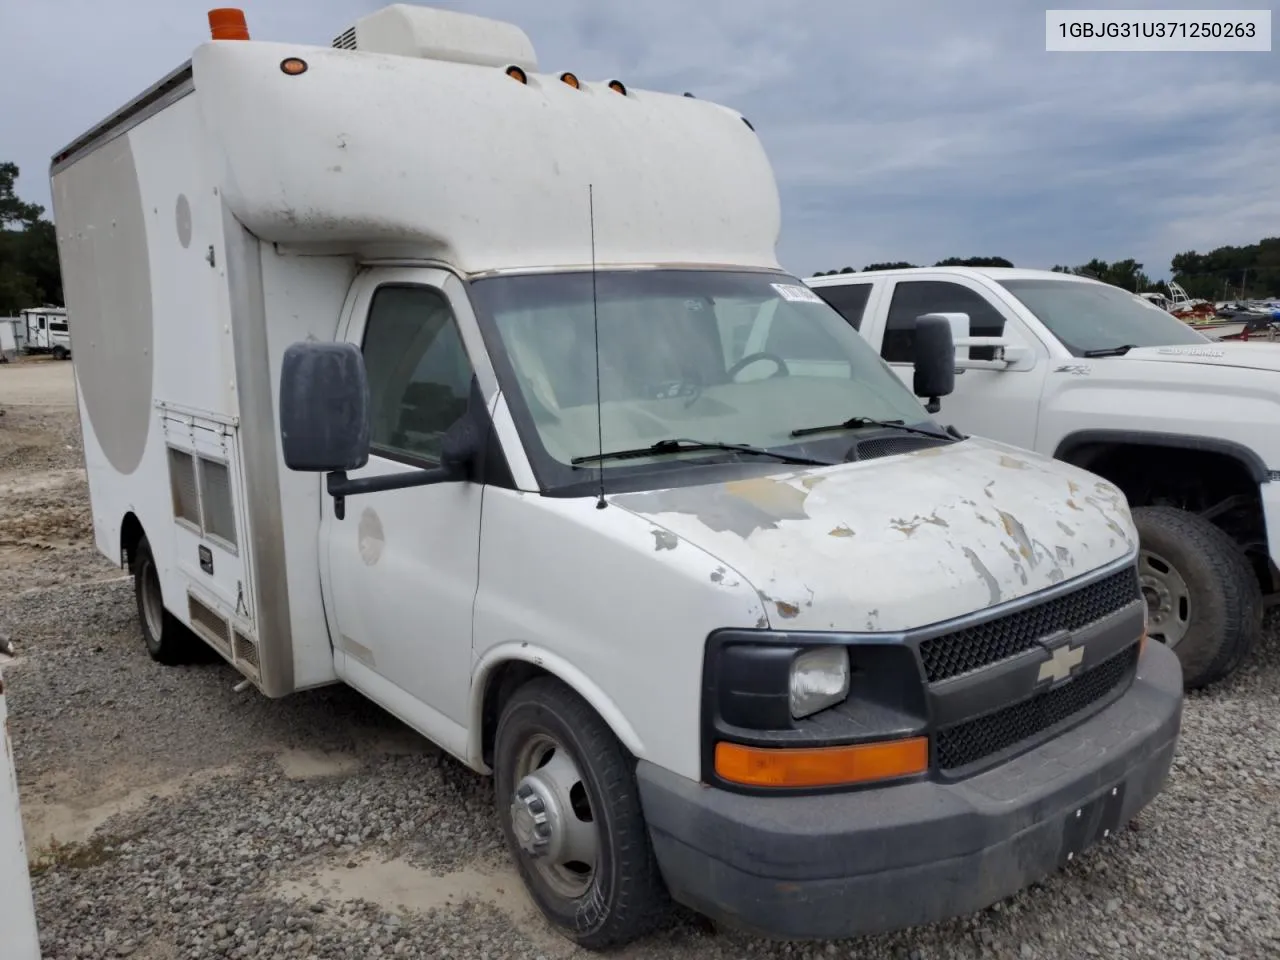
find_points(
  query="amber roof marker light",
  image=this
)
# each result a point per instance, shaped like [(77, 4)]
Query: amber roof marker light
[(571, 79), (617, 86), (293, 66), (228, 23), (516, 73)]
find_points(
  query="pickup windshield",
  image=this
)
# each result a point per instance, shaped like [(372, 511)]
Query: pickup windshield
[(1092, 317), (729, 357)]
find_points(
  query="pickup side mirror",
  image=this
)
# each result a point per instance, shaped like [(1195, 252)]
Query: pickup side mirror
[(935, 367), (324, 407)]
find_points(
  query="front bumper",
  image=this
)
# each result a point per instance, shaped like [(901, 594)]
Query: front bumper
[(871, 861)]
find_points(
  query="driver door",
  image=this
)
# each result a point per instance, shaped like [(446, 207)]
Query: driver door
[(402, 566)]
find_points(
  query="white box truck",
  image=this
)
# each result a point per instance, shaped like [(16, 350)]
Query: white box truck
[(429, 375), (1091, 374)]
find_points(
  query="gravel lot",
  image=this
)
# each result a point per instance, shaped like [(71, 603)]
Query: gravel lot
[(170, 817)]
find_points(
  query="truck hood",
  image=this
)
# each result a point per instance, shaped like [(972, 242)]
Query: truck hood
[(1250, 356), (901, 542)]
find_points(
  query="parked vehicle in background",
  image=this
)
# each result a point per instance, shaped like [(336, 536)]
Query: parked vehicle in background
[(455, 401), (46, 331), (1187, 427)]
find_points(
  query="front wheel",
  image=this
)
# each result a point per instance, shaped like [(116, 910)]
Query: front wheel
[(1203, 599), (570, 812), (59, 353)]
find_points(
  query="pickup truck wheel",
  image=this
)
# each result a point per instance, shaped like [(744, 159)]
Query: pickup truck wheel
[(167, 640), (570, 812), (1203, 599)]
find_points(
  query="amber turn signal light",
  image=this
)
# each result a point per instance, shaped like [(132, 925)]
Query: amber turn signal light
[(228, 23), (821, 766)]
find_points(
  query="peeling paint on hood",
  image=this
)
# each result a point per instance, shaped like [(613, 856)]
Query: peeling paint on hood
[(904, 541)]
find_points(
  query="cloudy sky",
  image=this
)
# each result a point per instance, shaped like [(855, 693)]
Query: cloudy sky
[(898, 130)]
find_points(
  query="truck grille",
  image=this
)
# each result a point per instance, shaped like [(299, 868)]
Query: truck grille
[(974, 740), (982, 644)]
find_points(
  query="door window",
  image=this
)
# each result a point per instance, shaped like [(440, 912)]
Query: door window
[(419, 372), (913, 298), (848, 299)]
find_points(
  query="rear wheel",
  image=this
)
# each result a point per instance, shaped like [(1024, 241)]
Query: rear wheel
[(59, 353), (570, 813), (1203, 599), (167, 640)]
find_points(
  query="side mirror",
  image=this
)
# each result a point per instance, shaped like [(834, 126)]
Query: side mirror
[(935, 367), (324, 407)]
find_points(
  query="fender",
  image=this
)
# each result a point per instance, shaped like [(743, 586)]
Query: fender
[(558, 667), (1238, 452)]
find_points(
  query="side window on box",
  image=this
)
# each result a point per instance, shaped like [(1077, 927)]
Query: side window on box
[(419, 372), (913, 298)]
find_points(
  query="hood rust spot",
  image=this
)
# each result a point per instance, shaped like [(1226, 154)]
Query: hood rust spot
[(1013, 463), (1018, 534), (740, 507), (841, 531), (787, 610), (909, 527)]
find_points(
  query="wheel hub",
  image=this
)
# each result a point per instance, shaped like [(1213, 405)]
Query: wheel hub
[(1168, 598), (536, 817)]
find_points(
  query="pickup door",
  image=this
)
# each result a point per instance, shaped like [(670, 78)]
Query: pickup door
[(990, 400)]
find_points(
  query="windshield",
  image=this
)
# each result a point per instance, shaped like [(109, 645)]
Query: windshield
[(1096, 316), (739, 357)]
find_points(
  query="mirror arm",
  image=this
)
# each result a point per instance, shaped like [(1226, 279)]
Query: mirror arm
[(340, 486)]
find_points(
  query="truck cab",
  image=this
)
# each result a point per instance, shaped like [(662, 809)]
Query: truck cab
[(458, 401), (1092, 375)]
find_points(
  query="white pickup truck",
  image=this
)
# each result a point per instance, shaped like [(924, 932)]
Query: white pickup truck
[(1187, 427)]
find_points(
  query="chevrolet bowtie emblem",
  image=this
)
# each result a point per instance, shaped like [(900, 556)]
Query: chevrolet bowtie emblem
[(1062, 661)]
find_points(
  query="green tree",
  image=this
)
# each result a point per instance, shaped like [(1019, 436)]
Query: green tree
[(29, 270), (974, 262)]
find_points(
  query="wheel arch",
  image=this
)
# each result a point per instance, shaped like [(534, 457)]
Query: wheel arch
[(131, 534), (1079, 447), (507, 667)]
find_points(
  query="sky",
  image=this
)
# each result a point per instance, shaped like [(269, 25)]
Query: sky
[(897, 130)]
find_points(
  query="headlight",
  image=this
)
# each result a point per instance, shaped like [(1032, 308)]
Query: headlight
[(819, 679)]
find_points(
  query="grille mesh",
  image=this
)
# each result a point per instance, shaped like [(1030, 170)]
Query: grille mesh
[(969, 742), (971, 648), (891, 447), (219, 510)]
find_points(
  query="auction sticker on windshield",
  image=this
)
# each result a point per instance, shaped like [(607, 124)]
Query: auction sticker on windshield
[(796, 293)]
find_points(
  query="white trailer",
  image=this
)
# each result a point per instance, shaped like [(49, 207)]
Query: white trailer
[(18, 934), (8, 338), (46, 331), (387, 351)]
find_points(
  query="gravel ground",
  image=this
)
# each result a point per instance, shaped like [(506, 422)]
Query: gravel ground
[(170, 817)]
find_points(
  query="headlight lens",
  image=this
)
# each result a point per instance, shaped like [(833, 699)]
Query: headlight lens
[(819, 679)]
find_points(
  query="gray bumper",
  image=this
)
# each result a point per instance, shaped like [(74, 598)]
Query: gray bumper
[(884, 859)]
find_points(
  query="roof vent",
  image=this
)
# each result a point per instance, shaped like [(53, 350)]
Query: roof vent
[(408, 30)]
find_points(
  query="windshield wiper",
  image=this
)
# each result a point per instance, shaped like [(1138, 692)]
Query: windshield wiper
[(857, 423), (682, 445), (1111, 351)]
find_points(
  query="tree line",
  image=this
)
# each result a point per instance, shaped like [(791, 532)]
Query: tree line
[(29, 273), (1226, 273)]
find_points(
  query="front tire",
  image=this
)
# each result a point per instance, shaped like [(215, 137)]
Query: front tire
[(59, 353), (570, 812), (1202, 595), (167, 640)]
